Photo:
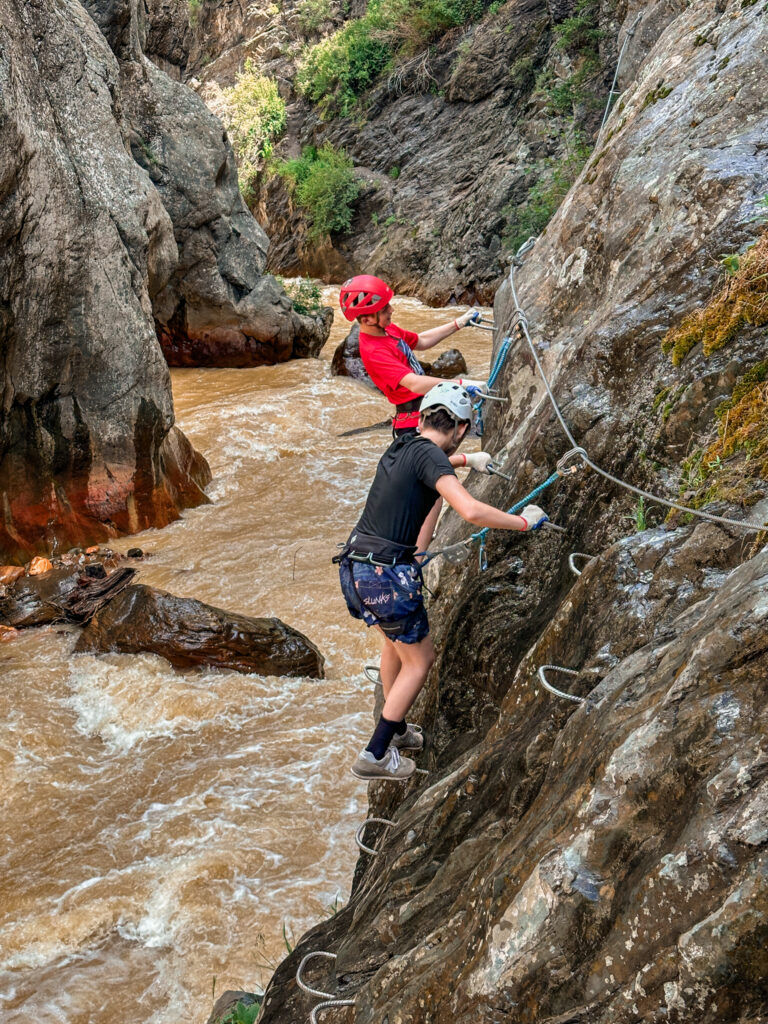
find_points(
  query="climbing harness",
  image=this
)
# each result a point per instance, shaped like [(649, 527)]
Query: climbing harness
[(568, 672), (614, 92), (359, 834), (572, 561), (523, 323), (328, 997)]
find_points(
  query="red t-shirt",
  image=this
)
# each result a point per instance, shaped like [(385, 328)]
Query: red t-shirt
[(387, 361)]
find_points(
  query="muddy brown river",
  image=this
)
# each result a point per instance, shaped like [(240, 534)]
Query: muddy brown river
[(163, 831)]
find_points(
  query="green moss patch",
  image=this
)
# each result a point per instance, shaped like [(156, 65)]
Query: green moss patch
[(742, 300)]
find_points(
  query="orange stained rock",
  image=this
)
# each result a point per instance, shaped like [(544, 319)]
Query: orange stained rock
[(39, 565), (92, 550), (7, 633), (10, 573)]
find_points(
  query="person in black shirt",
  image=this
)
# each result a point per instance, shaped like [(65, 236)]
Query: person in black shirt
[(380, 578)]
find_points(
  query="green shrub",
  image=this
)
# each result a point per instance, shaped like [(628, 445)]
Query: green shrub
[(324, 186), (532, 215), (313, 13), (243, 1013), (581, 33), (304, 294), (336, 71), (194, 7), (255, 117)]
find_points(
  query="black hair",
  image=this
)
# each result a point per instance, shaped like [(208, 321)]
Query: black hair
[(439, 419)]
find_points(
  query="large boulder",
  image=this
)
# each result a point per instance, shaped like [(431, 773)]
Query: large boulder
[(217, 307), (189, 633), (86, 245)]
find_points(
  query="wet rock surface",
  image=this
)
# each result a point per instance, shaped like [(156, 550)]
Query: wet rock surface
[(71, 590), (604, 861), (188, 633)]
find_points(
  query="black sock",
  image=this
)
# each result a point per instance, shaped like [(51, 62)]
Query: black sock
[(401, 727), (382, 737)]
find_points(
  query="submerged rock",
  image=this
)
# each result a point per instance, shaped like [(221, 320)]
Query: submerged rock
[(189, 633), (71, 590)]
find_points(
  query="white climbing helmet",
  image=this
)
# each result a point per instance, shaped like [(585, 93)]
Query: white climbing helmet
[(452, 397)]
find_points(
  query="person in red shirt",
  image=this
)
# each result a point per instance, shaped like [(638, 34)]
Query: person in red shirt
[(387, 351)]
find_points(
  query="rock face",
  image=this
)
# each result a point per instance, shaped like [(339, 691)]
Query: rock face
[(450, 148), (217, 308), (601, 862), (87, 407), (189, 633), (147, 231)]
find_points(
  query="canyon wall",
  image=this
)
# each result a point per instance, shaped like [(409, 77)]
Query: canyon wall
[(604, 860), (122, 220)]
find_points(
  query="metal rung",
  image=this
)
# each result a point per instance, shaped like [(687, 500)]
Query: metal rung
[(327, 1006), (303, 985), (359, 834), (568, 672), (572, 564), (372, 674)]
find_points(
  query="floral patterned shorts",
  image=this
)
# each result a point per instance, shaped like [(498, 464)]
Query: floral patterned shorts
[(386, 596)]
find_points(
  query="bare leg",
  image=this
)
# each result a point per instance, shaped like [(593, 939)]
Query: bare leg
[(427, 529), (415, 663), (389, 666)]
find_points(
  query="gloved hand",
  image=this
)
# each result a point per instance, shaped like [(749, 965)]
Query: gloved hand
[(473, 387), (534, 517), (479, 461), (471, 314)]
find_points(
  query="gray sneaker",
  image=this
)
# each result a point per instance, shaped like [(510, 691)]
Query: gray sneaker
[(411, 739), (392, 766)]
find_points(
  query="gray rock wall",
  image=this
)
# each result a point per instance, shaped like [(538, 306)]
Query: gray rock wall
[(604, 862), (121, 221), (447, 148), (85, 244)]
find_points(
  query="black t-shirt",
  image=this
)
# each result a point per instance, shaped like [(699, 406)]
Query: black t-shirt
[(401, 495)]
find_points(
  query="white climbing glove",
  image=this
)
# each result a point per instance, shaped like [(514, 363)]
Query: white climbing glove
[(471, 314), (479, 461), (473, 387), (534, 517)]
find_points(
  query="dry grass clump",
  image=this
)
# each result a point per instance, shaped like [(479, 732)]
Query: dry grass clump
[(734, 467), (744, 422), (742, 300)]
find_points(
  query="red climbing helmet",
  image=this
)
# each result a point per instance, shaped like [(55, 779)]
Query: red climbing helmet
[(363, 294)]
